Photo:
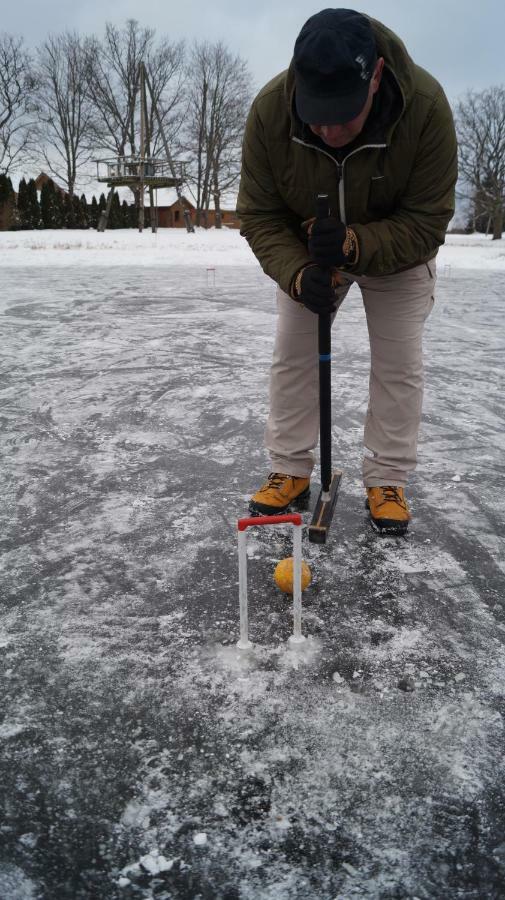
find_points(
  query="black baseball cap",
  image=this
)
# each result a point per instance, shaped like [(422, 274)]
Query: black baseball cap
[(334, 60)]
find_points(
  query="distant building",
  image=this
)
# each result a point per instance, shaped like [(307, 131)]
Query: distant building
[(42, 179), (6, 213), (172, 216)]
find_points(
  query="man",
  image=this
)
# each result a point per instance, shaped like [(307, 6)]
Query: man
[(353, 117)]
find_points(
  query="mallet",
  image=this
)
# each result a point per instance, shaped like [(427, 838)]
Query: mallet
[(330, 482)]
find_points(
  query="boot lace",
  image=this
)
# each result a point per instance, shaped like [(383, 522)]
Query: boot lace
[(275, 480), (391, 495)]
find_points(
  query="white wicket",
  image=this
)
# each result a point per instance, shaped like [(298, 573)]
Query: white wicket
[(243, 524)]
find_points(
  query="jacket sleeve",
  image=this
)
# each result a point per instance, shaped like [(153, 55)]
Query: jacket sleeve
[(269, 226), (418, 225)]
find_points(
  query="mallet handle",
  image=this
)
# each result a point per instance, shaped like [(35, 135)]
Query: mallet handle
[(324, 344)]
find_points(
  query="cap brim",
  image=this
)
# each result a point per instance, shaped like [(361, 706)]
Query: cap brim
[(334, 110)]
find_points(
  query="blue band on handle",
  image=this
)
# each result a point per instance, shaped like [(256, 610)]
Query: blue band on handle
[(324, 357)]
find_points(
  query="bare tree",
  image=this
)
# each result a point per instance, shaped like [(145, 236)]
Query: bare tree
[(63, 107), (219, 96), (231, 102), (165, 68), (16, 90), (113, 84), (480, 126)]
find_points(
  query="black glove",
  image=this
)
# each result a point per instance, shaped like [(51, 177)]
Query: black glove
[(316, 292), (326, 242)]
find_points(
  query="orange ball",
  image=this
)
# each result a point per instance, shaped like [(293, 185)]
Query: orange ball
[(283, 575)]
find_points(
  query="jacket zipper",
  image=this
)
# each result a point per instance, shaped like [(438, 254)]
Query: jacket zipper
[(340, 169)]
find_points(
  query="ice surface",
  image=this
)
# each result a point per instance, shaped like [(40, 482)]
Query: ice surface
[(132, 414), (14, 885)]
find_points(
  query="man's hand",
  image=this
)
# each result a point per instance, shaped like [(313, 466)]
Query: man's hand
[(315, 290), (331, 243)]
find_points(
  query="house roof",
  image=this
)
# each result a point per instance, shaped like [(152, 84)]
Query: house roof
[(43, 178)]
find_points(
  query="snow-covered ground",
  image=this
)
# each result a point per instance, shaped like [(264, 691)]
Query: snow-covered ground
[(141, 755), (173, 246)]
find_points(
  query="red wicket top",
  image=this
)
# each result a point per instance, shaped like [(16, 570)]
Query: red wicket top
[(294, 519)]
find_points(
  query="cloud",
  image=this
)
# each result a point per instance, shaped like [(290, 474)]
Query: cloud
[(452, 39)]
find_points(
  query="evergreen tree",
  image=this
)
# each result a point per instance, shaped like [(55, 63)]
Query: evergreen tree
[(59, 209), (68, 212), (134, 216), (102, 205), (115, 212), (7, 203), (48, 205), (32, 205), (93, 213), (76, 206), (23, 213), (6, 189), (125, 215), (78, 218), (28, 205), (84, 211)]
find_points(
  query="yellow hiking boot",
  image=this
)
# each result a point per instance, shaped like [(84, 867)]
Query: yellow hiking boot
[(278, 493), (388, 509)]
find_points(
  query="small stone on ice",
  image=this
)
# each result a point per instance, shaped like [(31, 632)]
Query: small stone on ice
[(406, 683), (352, 871), (200, 839), (499, 853)]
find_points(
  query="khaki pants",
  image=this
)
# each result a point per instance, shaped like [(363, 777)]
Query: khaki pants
[(396, 307)]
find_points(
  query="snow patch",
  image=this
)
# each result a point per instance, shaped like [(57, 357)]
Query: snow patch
[(153, 863)]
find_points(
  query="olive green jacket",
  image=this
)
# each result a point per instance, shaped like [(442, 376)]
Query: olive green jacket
[(396, 192)]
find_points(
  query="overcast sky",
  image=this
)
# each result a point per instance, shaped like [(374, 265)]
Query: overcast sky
[(461, 42)]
